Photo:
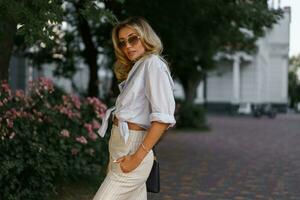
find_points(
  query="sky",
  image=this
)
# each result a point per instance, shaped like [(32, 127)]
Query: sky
[(294, 26)]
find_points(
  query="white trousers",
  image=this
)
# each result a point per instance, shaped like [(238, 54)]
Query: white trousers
[(118, 185)]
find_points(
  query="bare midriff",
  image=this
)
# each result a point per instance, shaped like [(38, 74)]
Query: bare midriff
[(131, 126)]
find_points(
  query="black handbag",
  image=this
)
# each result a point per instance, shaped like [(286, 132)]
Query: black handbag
[(153, 181)]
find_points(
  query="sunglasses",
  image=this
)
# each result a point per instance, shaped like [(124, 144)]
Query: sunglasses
[(132, 40)]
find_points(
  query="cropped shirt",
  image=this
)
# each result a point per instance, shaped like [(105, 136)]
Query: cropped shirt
[(145, 96)]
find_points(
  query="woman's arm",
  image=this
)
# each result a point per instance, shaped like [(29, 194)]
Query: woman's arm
[(129, 163), (154, 133)]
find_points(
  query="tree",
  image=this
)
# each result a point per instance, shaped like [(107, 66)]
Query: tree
[(33, 19), (194, 31), (294, 83), (86, 37), (88, 25), (294, 63)]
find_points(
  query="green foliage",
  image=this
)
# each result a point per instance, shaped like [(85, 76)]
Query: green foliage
[(294, 84), (36, 18), (64, 32), (294, 63), (47, 135), (190, 116), (293, 89), (72, 47)]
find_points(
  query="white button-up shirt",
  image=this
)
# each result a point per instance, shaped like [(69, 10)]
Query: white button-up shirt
[(145, 96)]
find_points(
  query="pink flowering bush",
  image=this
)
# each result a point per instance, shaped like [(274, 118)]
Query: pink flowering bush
[(47, 134)]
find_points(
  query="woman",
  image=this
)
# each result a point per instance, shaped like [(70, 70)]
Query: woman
[(143, 111)]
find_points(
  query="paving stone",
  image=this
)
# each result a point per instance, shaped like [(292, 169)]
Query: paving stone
[(241, 158)]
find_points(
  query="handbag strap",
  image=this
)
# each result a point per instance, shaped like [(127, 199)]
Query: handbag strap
[(154, 152)]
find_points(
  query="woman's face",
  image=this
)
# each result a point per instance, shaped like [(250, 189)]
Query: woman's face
[(130, 43)]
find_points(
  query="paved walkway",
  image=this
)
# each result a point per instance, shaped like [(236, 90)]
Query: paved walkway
[(242, 158)]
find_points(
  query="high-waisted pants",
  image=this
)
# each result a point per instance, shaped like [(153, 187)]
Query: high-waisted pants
[(118, 185)]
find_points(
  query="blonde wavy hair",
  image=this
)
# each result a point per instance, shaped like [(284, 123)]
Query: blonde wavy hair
[(148, 37)]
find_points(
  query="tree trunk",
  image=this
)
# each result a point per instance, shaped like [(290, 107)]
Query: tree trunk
[(90, 51), (8, 30), (190, 89)]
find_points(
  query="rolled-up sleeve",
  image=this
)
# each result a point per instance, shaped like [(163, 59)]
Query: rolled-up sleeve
[(159, 91)]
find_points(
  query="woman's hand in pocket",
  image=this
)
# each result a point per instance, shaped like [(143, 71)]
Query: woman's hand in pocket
[(128, 163)]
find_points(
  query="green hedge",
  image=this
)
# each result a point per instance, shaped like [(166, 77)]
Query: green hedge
[(45, 135), (190, 116)]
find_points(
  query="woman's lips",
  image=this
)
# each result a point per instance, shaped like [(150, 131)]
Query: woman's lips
[(131, 53)]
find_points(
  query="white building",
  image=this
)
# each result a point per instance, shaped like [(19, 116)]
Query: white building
[(255, 79)]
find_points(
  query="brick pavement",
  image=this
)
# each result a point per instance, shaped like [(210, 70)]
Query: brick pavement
[(241, 158)]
